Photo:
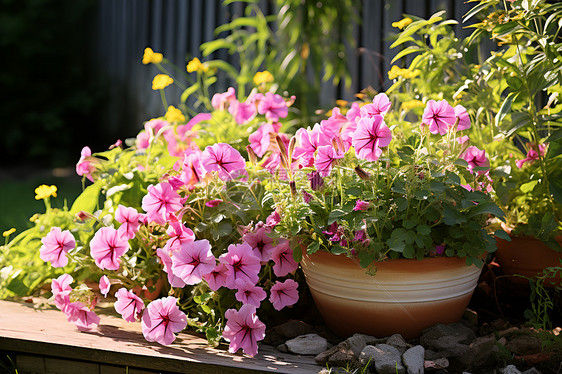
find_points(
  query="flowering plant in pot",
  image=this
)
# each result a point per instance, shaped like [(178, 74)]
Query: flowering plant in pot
[(375, 187)]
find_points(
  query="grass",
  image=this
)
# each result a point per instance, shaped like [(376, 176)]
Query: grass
[(17, 196)]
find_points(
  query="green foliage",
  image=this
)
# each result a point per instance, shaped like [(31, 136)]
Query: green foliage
[(542, 304)]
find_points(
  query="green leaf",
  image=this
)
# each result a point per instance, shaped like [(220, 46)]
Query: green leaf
[(335, 215), (88, 199), (502, 235), (405, 52), (224, 66), (210, 47), (396, 244), (529, 186), (484, 208), (423, 229), (312, 247), (505, 107), (338, 250), (188, 92), (366, 258)]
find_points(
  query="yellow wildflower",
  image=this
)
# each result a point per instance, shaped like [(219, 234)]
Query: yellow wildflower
[(341, 103), (174, 115), (262, 77), (394, 72), (44, 191), (8, 232), (402, 23), (161, 81), (151, 57), (407, 105), (196, 65)]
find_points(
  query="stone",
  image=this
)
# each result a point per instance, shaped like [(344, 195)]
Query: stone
[(339, 355), (413, 360), (510, 369), (308, 344), (483, 351), (283, 348), (471, 317), (359, 341), (523, 345), (385, 358), (322, 357), (460, 332), (437, 364), (398, 342), (293, 328), (531, 371)]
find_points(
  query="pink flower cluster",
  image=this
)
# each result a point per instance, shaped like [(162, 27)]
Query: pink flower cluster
[(532, 155)]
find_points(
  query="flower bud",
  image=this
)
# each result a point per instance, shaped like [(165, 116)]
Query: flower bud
[(316, 181), (252, 155), (293, 187), (362, 173)]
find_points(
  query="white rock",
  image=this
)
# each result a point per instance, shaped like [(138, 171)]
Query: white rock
[(309, 344), (413, 360)]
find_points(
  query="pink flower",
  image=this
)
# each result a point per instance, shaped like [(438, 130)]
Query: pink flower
[(284, 294), (476, 159), (325, 158), (129, 219), (193, 170), (439, 116), (240, 263), (380, 106), (161, 201), (439, 249), (60, 288), (260, 242), (242, 112), (222, 100), (84, 166), (104, 285), (213, 203), (273, 106), (56, 244), (309, 141), (273, 219), (161, 319), (464, 119), (462, 139), (217, 277), (83, 318), (128, 305), (179, 234), (361, 205), (192, 261), (532, 155), (283, 258), (243, 330), (371, 134), (249, 293), (107, 247), (332, 126), (261, 139), (224, 159), (164, 255)]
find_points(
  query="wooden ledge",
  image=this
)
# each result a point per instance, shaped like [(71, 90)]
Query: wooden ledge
[(46, 332)]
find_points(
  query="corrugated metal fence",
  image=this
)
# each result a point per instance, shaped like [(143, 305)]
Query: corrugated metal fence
[(178, 27)]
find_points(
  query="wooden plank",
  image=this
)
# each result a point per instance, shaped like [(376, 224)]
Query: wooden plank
[(116, 342)]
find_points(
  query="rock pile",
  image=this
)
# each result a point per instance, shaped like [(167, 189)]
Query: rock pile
[(454, 348)]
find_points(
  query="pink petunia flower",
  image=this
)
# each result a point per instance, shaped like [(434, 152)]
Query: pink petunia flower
[(217, 277), (243, 329), (371, 134), (325, 158), (128, 305), (260, 242), (532, 155), (161, 319), (249, 293), (240, 263), (221, 101), (462, 139), (260, 140), (129, 219), (107, 247), (464, 119), (439, 116), (83, 318), (105, 285), (361, 205), (56, 244), (273, 219), (332, 126), (284, 294), (380, 106), (85, 167), (213, 203), (308, 142), (179, 234), (166, 260), (283, 258), (476, 158), (60, 288), (193, 170), (354, 113), (242, 112), (192, 261), (224, 159), (161, 201), (273, 106)]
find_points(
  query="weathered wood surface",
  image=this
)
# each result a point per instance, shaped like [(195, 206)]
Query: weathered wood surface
[(23, 328)]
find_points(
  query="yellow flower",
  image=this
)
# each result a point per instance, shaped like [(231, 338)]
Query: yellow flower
[(174, 115), (402, 23), (341, 103), (407, 105), (44, 191), (262, 77), (196, 65), (394, 72), (8, 232), (161, 81), (151, 57)]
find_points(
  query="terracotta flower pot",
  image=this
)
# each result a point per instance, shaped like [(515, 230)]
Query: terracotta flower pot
[(405, 296), (527, 256)]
